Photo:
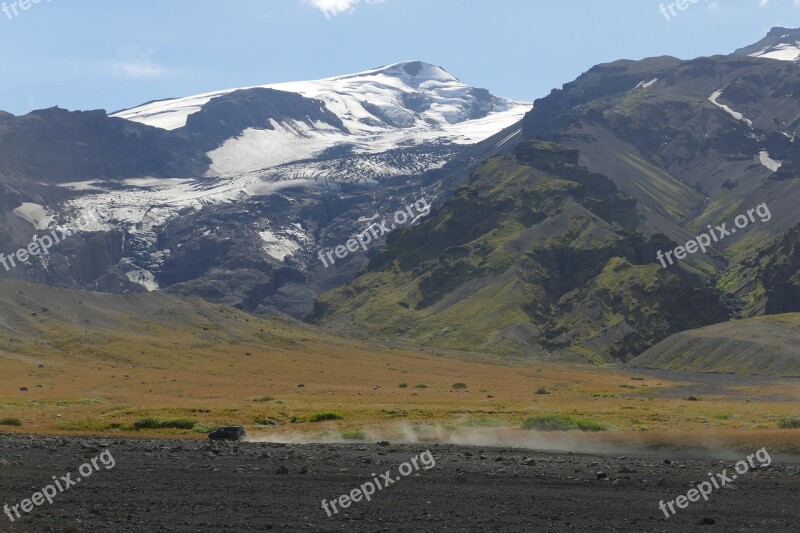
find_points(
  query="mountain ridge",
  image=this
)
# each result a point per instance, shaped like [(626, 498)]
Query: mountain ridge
[(321, 161), (690, 143), (765, 345)]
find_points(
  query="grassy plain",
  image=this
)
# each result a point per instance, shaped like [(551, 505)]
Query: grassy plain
[(273, 376)]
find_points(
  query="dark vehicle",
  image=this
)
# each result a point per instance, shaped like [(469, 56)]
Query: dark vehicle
[(236, 433)]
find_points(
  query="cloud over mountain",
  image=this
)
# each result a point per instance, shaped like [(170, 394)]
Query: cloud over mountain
[(331, 8)]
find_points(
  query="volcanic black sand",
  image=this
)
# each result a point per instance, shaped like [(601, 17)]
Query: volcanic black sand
[(172, 485)]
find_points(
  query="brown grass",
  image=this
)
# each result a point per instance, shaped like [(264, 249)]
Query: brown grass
[(101, 384)]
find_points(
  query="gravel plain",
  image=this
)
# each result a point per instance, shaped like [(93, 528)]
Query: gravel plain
[(191, 485)]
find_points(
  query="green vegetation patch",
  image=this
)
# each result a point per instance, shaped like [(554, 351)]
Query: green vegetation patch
[(263, 399), (789, 423), (555, 422), (325, 415), (155, 423)]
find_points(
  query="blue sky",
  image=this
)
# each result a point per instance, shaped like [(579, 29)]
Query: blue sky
[(92, 54)]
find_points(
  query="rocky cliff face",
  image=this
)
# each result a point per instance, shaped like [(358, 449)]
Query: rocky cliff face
[(535, 255)]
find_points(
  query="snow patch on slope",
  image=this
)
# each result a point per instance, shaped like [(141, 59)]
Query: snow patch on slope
[(645, 85), (35, 214), (781, 52), (169, 114), (767, 161), (763, 155), (90, 185), (738, 116), (278, 247), (145, 278), (257, 149)]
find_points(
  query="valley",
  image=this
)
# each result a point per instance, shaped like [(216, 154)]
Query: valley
[(577, 311), (97, 364)]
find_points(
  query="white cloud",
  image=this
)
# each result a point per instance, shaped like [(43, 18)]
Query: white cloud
[(144, 69), (136, 63), (331, 8)]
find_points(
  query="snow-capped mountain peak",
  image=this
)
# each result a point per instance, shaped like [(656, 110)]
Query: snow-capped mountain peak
[(412, 76), (410, 71), (260, 154), (403, 105)]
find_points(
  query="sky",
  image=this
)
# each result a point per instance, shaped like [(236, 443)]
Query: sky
[(101, 54)]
